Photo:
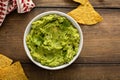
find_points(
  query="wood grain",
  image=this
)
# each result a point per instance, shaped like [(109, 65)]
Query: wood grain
[(70, 3), (75, 72), (100, 56), (101, 41)]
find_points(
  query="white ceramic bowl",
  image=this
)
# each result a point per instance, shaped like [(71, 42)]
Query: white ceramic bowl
[(75, 25)]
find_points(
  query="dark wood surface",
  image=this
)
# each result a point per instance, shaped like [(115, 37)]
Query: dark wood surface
[(100, 57)]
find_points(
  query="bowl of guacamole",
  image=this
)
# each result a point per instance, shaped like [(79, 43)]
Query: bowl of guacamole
[(53, 40)]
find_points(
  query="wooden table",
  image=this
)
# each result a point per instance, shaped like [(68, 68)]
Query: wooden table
[(100, 57)]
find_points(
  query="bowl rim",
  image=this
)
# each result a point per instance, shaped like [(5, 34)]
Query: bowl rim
[(75, 24)]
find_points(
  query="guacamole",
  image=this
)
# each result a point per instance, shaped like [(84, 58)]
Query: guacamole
[(53, 40)]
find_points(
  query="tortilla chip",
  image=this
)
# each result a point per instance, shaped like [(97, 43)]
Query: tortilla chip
[(13, 72), (82, 2), (5, 61), (85, 14)]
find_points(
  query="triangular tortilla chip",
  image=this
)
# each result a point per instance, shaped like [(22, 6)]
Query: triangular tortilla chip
[(13, 72), (86, 14), (5, 61), (82, 2)]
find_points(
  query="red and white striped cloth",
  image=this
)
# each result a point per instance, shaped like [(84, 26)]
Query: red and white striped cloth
[(22, 6)]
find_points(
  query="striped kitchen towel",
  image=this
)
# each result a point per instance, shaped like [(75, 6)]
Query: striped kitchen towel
[(22, 6)]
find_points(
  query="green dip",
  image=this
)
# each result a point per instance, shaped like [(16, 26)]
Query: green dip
[(53, 40)]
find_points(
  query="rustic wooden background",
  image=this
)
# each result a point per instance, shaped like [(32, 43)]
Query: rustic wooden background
[(100, 57)]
